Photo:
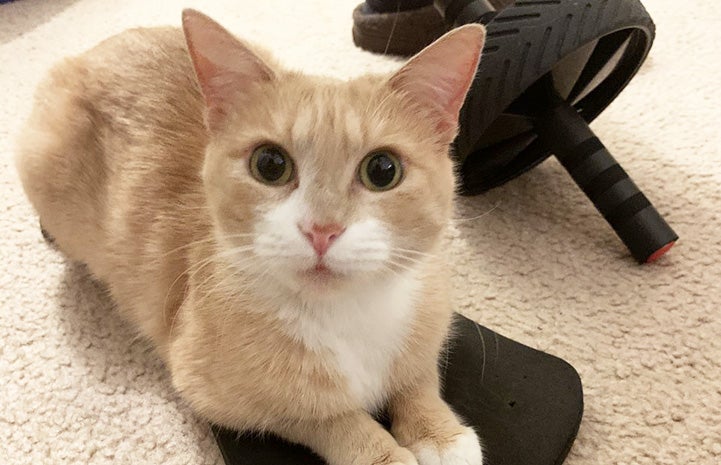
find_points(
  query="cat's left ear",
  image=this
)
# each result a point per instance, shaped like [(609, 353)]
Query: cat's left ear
[(438, 78), (223, 64)]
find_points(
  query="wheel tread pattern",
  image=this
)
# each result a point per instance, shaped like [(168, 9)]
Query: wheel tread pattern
[(536, 33)]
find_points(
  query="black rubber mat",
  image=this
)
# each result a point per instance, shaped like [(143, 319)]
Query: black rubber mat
[(526, 405)]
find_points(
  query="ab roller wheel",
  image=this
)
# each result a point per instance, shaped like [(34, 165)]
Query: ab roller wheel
[(548, 69)]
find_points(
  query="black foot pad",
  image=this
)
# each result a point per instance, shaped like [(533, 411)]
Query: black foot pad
[(526, 405)]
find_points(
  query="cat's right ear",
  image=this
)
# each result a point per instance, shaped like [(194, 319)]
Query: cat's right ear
[(223, 64)]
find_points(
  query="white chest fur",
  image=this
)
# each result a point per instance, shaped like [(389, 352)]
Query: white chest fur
[(363, 332)]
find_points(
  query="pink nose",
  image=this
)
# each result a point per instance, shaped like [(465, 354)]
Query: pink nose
[(322, 236)]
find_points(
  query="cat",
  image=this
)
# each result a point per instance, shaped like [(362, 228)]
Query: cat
[(277, 237)]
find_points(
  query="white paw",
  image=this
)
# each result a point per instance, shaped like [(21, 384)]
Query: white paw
[(465, 449)]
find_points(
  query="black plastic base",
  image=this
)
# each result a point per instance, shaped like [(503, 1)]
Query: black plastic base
[(526, 405)]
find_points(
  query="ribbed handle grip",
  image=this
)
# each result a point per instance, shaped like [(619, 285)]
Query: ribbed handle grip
[(609, 187)]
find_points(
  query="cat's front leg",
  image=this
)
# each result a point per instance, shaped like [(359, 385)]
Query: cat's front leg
[(423, 423), (354, 438)]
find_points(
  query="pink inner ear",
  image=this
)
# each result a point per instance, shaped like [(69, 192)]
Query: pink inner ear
[(223, 64), (438, 77)]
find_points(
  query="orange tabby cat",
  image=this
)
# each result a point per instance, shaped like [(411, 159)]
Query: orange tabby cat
[(278, 237)]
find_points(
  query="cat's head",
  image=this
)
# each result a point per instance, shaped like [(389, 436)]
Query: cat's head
[(327, 185)]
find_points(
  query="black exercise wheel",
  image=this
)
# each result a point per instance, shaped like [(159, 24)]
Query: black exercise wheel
[(548, 69)]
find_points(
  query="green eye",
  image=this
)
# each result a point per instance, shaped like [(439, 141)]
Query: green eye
[(270, 164), (380, 171)]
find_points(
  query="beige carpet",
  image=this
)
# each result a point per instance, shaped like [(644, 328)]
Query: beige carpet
[(542, 267)]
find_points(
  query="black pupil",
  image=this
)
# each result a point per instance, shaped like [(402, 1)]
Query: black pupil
[(271, 164), (381, 170)]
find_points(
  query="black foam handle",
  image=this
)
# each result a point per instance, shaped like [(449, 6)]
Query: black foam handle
[(564, 131)]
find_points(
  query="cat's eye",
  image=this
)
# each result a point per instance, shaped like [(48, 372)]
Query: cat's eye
[(271, 165), (380, 171)]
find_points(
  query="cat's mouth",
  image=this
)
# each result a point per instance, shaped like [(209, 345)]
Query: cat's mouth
[(320, 272)]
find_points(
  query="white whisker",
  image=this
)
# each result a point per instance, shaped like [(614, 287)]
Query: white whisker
[(493, 208), (417, 252), (400, 265), (202, 241), (190, 272)]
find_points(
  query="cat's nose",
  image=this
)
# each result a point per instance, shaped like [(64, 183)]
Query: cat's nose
[(322, 236)]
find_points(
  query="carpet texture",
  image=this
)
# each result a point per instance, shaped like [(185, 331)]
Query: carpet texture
[(533, 259)]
